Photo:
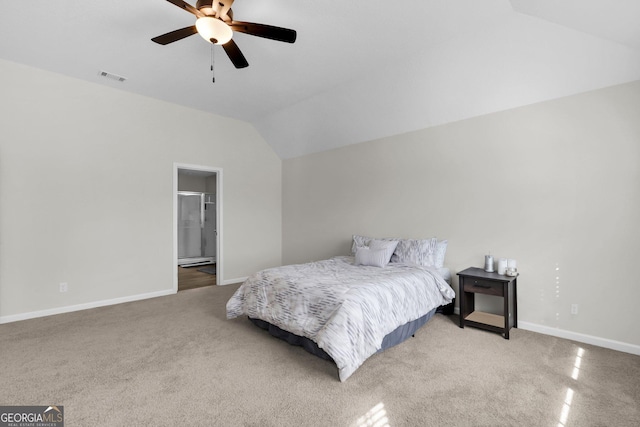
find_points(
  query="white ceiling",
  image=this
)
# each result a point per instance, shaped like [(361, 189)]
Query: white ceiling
[(359, 70)]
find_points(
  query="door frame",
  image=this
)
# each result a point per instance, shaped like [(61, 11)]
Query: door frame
[(219, 263)]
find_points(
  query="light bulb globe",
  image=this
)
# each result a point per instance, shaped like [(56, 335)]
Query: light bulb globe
[(211, 28)]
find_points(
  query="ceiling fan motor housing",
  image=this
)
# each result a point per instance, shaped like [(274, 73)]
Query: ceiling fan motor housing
[(219, 9), (202, 4)]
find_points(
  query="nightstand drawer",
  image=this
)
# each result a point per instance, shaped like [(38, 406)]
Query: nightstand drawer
[(480, 286)]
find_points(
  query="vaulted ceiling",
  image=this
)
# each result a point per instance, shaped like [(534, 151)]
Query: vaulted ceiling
[(359, 70)]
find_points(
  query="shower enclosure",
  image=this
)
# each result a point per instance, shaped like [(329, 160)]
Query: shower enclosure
[(196, 228)]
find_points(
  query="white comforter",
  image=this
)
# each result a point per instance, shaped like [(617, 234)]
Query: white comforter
[(346, 309)]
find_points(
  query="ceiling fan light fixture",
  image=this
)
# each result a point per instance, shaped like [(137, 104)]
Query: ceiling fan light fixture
[(212, 28)]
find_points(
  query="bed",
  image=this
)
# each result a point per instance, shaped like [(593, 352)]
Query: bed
[(347, 308)]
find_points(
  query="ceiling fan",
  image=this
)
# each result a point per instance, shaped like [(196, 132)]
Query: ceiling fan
[(216, 25)]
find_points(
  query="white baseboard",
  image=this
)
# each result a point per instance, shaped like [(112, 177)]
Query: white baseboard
[(575, 336), (234, 281), (95, 304), (583, 338), (78, 307)]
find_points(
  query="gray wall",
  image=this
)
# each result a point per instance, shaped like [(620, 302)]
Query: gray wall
[(555, 185), (86, 186)]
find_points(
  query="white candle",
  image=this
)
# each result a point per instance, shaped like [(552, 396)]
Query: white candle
[(502, 266)]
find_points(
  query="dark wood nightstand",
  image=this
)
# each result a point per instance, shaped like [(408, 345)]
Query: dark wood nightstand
[(477, 281)]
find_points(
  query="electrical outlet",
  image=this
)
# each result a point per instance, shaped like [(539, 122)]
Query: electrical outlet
[(574, 308), (64, 287)]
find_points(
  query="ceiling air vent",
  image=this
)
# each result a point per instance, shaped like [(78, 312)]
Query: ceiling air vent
[(112, 76)]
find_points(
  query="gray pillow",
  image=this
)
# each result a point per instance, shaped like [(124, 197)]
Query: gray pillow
[(412, 251)]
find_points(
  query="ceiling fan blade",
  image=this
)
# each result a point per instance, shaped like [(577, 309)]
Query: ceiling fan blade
[(266, 31), (187, 7), (234, 54), (176, 35)]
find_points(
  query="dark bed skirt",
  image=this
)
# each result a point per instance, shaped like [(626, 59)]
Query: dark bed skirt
[(447, 309), (400, 334), (292, 339)]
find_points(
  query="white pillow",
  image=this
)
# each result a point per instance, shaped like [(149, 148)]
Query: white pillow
[(441, 250), (371, 257), (389, 246)]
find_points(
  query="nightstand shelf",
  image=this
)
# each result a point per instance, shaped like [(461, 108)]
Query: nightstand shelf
[(477, 281), (486, 318)]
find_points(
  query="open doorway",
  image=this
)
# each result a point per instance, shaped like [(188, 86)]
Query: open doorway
[(197, 226)]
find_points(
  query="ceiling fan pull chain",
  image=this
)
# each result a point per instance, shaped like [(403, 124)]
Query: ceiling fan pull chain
[(213, 75)]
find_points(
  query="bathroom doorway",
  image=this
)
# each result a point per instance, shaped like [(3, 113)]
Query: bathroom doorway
[(197, 226)]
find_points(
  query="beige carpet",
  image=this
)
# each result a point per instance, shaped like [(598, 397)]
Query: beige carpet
[(176, 360)]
